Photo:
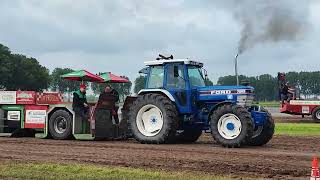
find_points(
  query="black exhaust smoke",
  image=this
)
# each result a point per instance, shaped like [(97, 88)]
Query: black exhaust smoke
[(270, 21)]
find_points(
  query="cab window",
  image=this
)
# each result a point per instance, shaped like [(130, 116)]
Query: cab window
[(175, 77), (156, 77), (195, 76)]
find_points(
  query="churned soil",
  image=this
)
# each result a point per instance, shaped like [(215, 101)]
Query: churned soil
[(293, 119), (285, 157)]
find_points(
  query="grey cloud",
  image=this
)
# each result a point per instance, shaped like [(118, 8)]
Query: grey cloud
[(119, 35)]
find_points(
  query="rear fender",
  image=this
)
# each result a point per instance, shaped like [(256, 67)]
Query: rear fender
[(216, 106), (159, 91), (259, 117), (258, 114)]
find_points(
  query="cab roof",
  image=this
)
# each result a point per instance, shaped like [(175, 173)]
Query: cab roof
[(184, 61)]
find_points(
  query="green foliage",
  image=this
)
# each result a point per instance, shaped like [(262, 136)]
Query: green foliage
[(62, 85), (269, 103), (20, 72), (309, 82), (139, 83), (292, 78), (230, 80), (122, 88), (266, 86), (208, 82), (4, 50)]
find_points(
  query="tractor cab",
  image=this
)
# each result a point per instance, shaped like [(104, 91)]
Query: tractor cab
[(177, 78)]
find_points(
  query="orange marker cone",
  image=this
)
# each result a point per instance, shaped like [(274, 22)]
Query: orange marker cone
[(315, 170)]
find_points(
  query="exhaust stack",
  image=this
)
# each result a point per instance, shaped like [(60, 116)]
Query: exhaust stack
[(236, 68)]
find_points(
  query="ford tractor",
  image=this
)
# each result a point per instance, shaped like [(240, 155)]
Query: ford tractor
[(177, 106)]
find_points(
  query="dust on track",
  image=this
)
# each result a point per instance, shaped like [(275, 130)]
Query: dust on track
[(284, 157)]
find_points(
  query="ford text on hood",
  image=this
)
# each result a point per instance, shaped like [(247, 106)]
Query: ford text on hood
[(243, 95)]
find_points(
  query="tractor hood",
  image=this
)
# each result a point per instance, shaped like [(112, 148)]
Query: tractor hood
[(239, 94)]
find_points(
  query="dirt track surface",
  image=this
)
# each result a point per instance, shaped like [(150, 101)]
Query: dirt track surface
[(294, 119), (285, 157)]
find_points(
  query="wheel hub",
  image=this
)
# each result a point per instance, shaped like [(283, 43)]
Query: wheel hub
[(229, 126), (149, 120), (153, 120), (60, 125)]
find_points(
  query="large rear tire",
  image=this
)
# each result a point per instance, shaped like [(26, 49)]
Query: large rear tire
[(60, 125), (231, 125), (153, 119), (263, 134)]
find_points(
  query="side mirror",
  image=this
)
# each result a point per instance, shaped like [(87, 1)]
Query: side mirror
[(176, 71)]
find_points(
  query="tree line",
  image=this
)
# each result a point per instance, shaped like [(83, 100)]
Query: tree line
[(19, 72), (267, 87)]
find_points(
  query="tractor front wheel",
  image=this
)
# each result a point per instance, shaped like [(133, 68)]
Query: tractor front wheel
[(153, 119), (231, 125)]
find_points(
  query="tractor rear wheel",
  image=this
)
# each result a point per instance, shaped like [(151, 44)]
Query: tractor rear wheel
[(263, 134), (316, 114), (153, 119), (60, 125), (189, 135), (231, 125)]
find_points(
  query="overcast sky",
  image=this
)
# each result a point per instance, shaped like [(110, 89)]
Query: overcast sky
[(119, 35)]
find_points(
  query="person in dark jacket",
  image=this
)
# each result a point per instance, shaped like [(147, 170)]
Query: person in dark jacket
[(110, 98), (116, 106), (287, 92), (80, 104)]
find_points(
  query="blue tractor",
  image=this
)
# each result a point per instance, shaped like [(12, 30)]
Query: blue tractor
[(176, 107)]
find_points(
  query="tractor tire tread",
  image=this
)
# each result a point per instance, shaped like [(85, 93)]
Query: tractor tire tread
[(246, 120), (170, 116), (266, 134), (53, 133)]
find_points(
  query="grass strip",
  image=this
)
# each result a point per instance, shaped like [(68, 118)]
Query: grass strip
[(13, 170), (299, 129)]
